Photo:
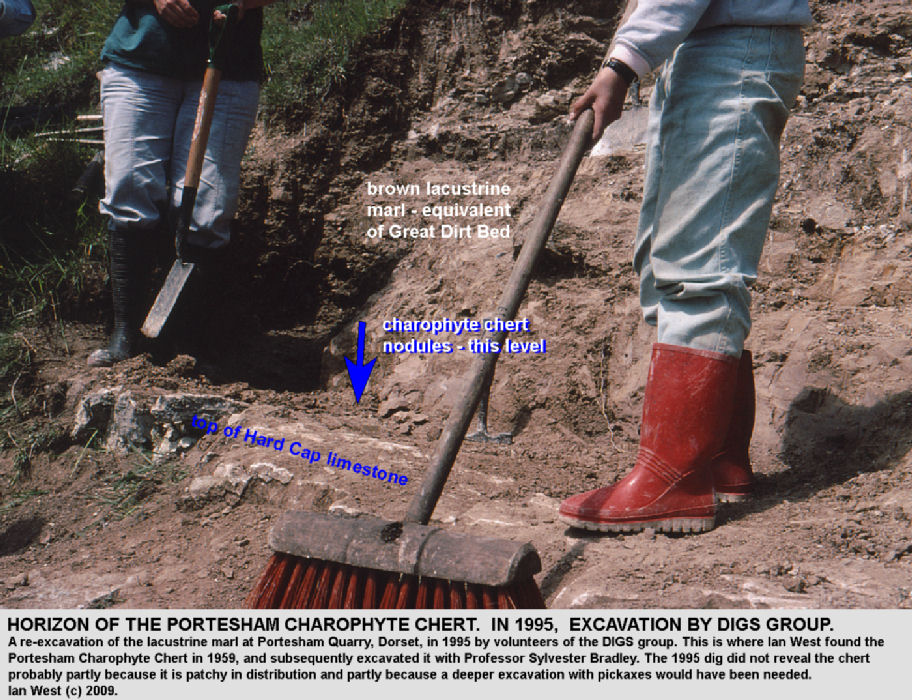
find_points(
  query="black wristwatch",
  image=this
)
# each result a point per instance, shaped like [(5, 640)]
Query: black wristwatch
[(628, 75)]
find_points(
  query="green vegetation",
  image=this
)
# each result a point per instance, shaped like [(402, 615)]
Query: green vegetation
[(50, 248), (124, 493), (15, 359), (307, 47), (307, 44), (15, 363), (17, 498), (49, 242), (54, 63)]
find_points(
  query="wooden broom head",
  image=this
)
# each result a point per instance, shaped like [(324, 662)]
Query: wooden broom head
[(293, 582), (408, 549)]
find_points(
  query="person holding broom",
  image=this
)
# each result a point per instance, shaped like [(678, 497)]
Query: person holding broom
[(155, 57), (730, 72)]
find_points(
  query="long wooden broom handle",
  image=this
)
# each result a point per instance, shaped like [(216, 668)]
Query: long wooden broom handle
[(482, 370)]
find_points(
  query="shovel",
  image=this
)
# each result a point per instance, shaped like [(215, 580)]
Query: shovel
[(220, 34)]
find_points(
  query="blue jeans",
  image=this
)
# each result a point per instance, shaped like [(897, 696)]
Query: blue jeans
[(712, 168), (15, 17), (148, 124)]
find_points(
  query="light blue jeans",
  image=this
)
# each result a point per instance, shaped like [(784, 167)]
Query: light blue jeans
[(712, 168), (148, 125)]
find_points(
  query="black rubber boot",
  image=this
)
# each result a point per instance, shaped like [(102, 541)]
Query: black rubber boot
[(129, 279)]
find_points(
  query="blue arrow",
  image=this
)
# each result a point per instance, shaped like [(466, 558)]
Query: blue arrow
[(360, 372)]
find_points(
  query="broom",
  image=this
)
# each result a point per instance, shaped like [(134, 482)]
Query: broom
[(365, 562)]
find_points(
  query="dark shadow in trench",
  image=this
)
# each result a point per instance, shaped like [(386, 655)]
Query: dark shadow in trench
[(20, 534), (827, 441), (275, 360)]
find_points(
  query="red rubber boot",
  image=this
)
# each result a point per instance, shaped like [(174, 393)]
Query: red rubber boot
[(732, 474), (686, 412)]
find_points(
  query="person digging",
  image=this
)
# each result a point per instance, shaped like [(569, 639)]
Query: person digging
[(154, 61), (731, 72)]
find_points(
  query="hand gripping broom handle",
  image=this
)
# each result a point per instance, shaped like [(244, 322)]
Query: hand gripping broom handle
[(482, 370), (220, 34)]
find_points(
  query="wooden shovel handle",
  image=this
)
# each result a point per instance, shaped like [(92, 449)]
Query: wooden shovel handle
[(202, 126)]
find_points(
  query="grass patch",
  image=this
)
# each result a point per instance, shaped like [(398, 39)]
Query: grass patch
[(15, 356), (50, 244), (124, 493), (26, 446), (22, 466), (307, 47), (15, 363), (52, 66), (19, 497), (306, 44)]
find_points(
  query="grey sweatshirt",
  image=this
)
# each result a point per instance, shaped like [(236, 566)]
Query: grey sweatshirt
[(656, 27)]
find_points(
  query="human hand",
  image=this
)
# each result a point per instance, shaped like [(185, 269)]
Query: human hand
[(178, 13), (606, 98), (221, 17)]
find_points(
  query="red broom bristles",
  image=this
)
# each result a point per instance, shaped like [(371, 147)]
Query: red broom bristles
[(457, 597), (473, 596), (321, 595), (291, 582), (487, 600), (353, 590), (338, 589), (407, 590), (371, 585)]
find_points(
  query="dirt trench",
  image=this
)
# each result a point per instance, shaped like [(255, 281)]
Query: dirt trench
[(156, 513)]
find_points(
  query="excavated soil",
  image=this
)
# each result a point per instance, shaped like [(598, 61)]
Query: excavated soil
[(452, 92)]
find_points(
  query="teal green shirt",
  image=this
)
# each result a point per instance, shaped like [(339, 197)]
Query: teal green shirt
[(141, 40)]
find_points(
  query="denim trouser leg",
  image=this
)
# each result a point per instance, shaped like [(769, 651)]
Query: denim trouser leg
[(139, 110), (712, 168), (148, 128)]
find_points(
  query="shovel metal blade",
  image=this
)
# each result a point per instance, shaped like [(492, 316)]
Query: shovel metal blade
[(167, 298), (369, 542)]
